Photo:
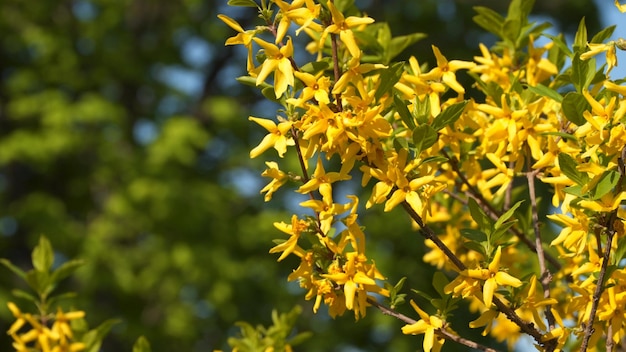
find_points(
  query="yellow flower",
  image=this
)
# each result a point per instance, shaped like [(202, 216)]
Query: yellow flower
[(596, 48), (303, 16), (276, 138), (325, 207), (320, 177), (445, 71), (621, 8), (279, 62), (316, 87), (492, 277), (294, 230), (278, 179), (427, 325), (244, 37), (342, 25)]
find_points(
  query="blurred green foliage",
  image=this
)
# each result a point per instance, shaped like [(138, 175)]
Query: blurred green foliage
[(124, 139)]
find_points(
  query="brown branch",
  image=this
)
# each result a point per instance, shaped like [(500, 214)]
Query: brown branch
[(595, 300), (492, 212), (546, 276), (440, 332), (610, 220), (526, 327)]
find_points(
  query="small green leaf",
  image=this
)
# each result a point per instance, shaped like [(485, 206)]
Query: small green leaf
[(17, 271), (399, 44), (388, 78), (506, 216), (583, 72), (568, 167), (38, 281), (603, 35), (66, 269), (93, 338), (573, 105), (449, 115), (314, 67), (479, 216), (477, 247), (25, 295), (606, 184), (439, 283), (511, 29), (560, 134), (580, 41), (474, 235), (424, 137), (245, 3), (142, 345), (490, 20), (404, 112), (43, 256), (559, 42), (300, 338), (544, 91)]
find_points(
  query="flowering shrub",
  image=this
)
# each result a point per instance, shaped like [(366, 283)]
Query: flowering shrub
[(465, 171), (53, 328)]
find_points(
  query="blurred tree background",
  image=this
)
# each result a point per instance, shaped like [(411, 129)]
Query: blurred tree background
[(124, 139)]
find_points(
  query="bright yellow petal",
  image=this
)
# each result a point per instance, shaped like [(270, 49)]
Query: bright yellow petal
[(231, 23), (349, 289), (488, 289)]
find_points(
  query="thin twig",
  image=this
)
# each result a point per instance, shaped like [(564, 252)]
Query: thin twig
[(546, 276), (440, 332), (493, 213), (610, 220), (589, 329), (526, 327)]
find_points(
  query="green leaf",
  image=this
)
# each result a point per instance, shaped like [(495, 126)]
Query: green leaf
[(606, 184), (93, 338), (573, 105), (245, 3), (311, 67), (25, 295), (449, 115), (424, 137), (404, 112), (479, 216), (38, 281), (511, 29), (66, 269), (43, 256), (474, 235), (558, 41), (544, 91), (568, 167), (142, 345), (300, 338), (399, 44), (434, 159), (500, 231), (388, 78), (560, 134), (490, 20), (580, 40), (477, 247), (582, 72), (17, 271), (506, 216), (439, 283), (603, 35)]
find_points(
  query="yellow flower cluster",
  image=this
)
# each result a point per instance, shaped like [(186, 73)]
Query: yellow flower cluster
[(451, 162), (57, 338)]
